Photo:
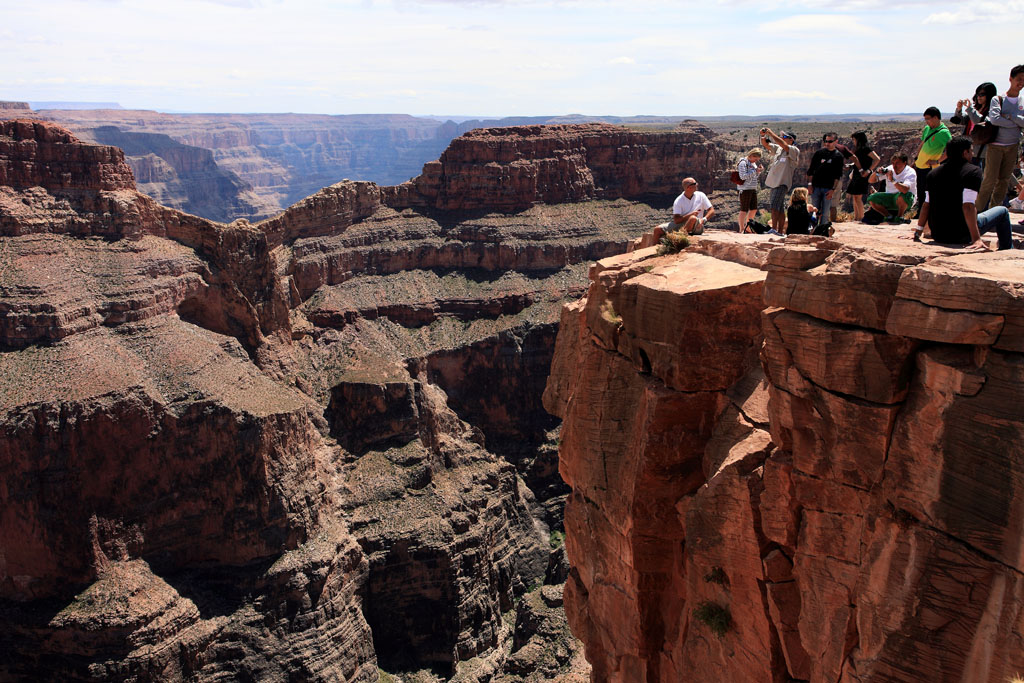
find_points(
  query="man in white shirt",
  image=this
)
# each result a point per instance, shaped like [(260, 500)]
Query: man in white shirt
[(692, 209), (900, 188)]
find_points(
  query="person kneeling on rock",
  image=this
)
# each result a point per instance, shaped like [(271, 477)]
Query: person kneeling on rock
[(692, 209)]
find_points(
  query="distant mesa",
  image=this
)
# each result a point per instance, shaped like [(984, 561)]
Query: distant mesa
[(38, 106), (15, 107)]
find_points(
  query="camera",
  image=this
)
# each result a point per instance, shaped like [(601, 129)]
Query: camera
[(764, 131), (882, 170)]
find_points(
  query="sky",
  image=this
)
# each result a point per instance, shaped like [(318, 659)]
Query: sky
[(509, 57)]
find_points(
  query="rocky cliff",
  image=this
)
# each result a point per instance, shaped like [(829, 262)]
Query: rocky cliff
[(259, 164), (262, 163), (296, 450), (795, 460), (183, 177)]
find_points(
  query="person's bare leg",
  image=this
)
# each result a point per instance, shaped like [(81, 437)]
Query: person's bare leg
[(742, 220), (880, 209), (901, 206), (858, 206), (778, 220), (690, 224)]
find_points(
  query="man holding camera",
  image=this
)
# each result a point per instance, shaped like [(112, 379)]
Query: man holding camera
[(900, 188), (780, 172)]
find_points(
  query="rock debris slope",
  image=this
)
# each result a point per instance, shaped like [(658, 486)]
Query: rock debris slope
[(826, 489), (302, 449)]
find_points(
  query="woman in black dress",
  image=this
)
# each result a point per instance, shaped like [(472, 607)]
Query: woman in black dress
[(864, 161)]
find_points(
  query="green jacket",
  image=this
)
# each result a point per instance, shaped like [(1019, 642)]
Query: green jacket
[(935, 140)]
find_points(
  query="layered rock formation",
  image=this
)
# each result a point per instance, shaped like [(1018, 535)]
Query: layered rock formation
[(511, 168), (822, 489), (269, 452), (183, 177), (148, 466), (262, 163), (259, 164)]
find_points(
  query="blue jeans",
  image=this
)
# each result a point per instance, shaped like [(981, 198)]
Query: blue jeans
[(997, 219), (818, 201)]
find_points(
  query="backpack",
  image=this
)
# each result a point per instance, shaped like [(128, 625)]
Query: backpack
[(735, 178), (872, 217)]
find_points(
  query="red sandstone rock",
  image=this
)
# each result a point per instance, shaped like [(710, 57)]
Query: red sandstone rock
[(864, 528), (218, 510), (33, 153), (512, 168)]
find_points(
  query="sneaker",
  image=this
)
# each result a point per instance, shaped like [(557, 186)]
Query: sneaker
[(775, 232), (1016, 205)]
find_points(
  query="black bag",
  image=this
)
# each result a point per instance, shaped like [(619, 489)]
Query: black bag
[(985, 132), (822, 229), (872, 217), (758, 227)]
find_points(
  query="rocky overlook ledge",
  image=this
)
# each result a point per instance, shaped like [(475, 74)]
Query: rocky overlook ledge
[(796, 460)]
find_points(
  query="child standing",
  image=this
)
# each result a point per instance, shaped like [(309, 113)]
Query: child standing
[(748, 168)]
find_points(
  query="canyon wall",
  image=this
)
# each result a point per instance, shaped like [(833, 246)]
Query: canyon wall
[(165, 505), (229, 166), (795, 460), (281, 451)]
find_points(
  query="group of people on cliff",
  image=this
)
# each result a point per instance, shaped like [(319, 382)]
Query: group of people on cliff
[(961, 185)]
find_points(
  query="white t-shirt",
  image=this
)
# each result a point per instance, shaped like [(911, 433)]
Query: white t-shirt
[(699, 202), (906, 177)]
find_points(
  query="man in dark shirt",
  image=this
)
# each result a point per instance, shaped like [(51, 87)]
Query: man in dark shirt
[(825, 169), (951, 190)]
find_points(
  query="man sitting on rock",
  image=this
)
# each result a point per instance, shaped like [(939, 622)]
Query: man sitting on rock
[(900, 188), (948, 207), (692, 209)]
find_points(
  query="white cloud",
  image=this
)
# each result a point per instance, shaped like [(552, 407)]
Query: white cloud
[(786, 95), (828, 25), (977, 12), (622, 60)]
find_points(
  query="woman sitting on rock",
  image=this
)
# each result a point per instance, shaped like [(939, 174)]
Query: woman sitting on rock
[(799, 213)]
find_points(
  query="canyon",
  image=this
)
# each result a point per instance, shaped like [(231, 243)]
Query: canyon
[(310, 448), (253, 166), (342, 443)]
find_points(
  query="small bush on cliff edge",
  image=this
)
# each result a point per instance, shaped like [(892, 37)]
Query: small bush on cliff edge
[(714, 616), (609, 314), (673, 243), (556, 539)]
